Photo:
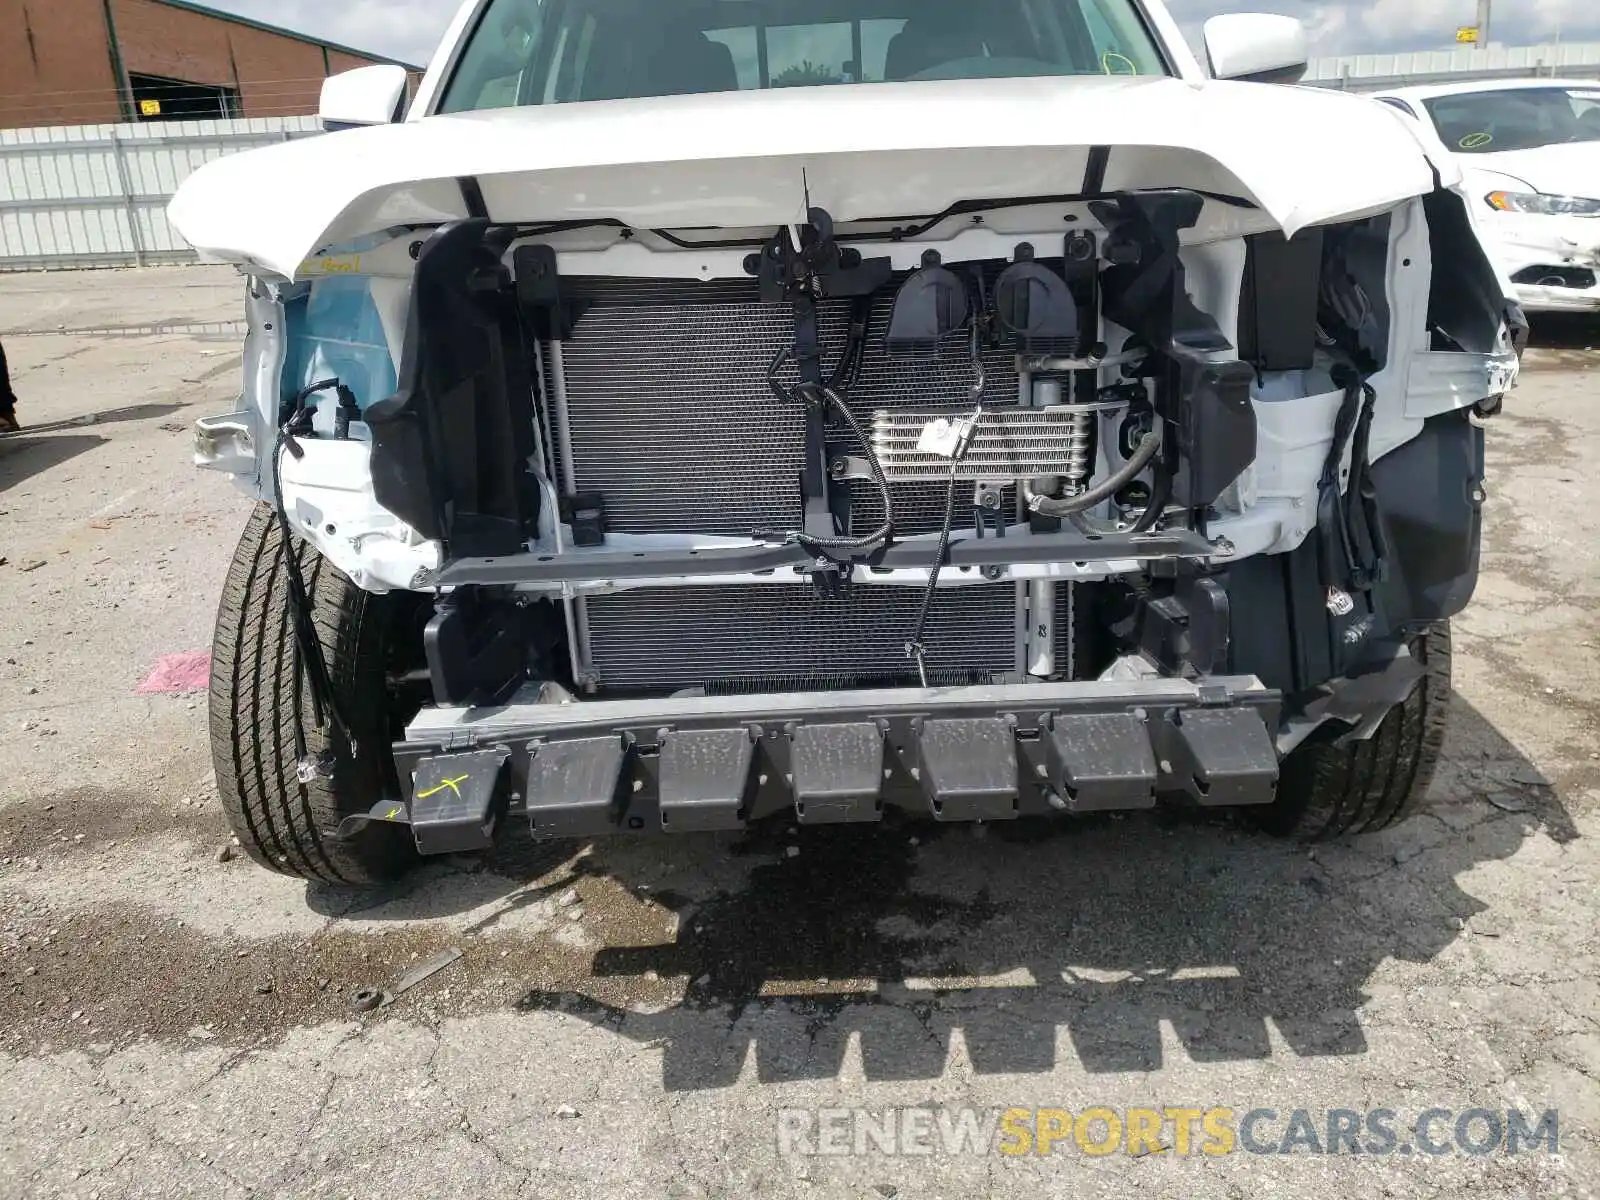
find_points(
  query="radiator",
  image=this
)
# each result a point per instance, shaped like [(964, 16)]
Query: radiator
[(780, 638), (669, 417)]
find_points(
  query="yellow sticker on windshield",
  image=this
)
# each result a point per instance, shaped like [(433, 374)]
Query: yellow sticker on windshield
[(1476, 141)]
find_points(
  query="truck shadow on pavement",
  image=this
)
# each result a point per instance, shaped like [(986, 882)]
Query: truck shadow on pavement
[(108, 416), (1107, 930), (23, 456), (40, 448)]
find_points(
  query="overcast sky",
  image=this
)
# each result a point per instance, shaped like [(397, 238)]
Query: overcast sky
[(409, 29)]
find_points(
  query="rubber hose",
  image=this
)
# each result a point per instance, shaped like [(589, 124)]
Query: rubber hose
[(1066, 506), (1160, 495)]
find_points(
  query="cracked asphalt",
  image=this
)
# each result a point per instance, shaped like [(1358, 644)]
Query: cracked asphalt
[(630, 1018)]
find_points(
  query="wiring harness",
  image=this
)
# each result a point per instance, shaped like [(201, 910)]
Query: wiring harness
[(311, 665)]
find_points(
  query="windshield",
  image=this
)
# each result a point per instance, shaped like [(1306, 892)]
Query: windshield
[(1519, 119), (527, 52)]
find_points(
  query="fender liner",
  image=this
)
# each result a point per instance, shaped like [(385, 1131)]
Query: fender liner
[(450, 447), (1298, 636)]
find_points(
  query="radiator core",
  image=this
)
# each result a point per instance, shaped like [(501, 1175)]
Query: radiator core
[(784, 637), (669, 416)]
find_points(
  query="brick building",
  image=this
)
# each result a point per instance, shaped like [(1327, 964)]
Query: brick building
[(82, 62)]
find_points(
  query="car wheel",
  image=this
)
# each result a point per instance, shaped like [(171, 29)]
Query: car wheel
[(261, 715), (1328, 790)]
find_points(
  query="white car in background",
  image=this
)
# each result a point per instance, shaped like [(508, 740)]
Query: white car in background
[(1530, 151)]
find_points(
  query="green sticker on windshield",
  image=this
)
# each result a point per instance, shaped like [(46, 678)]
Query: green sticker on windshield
[(1476, 141)]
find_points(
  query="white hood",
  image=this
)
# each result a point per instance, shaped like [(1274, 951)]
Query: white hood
[(1569, 169), (742, 160)]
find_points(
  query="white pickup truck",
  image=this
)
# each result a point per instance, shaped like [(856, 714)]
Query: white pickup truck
[(684, 414)]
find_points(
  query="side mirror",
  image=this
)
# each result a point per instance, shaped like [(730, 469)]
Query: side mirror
[(1257, 48), (365, 96)]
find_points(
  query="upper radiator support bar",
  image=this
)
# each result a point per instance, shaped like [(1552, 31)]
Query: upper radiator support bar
[(966, 550)]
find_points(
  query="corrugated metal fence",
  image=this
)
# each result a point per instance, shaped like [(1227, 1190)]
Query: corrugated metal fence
[(1370, 72), (96, 195)]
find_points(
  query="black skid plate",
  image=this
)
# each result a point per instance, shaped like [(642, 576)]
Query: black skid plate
[(454, 799), (698, 764), (574, 788), (1103, 761), (837, 773), (969, 768), (1222, 758), (705, 779)]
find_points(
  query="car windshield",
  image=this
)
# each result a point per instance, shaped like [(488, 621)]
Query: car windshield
[(529, 52), (1516, 119)]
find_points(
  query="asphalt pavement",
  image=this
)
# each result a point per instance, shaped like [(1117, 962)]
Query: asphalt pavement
[(786, 1014)]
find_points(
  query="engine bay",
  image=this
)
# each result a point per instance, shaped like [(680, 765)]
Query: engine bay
[(951, 452), (825, 423)]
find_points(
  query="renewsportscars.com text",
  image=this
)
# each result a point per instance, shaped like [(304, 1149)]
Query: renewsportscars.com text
[(1100, 1130)]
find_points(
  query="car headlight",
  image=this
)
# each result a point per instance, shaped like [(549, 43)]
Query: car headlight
[(1539, 204)]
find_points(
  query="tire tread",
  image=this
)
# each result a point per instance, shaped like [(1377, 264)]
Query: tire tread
[(1329, 790), (259, 710)]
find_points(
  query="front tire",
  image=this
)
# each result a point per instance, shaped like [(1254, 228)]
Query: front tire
[(261, 706), (1329, 790)]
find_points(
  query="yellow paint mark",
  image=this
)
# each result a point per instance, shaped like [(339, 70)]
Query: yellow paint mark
[(447, 785), (1476, 141), (332, 264), (1110, 60)]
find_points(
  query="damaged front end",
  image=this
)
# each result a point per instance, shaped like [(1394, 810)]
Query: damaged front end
[(1029, 506)]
